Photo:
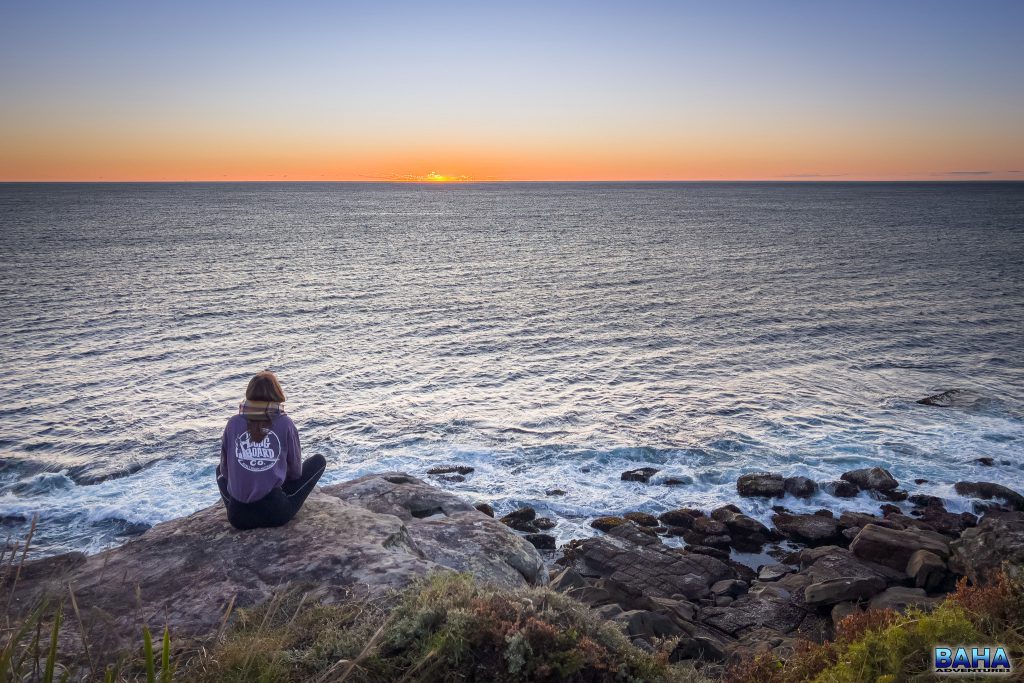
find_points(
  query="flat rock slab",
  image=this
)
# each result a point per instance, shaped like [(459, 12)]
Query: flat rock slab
[(361, 537)]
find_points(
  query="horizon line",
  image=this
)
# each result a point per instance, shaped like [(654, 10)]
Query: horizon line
[(782, 180)]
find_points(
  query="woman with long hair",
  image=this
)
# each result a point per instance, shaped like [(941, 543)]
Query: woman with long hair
[(261, 476)]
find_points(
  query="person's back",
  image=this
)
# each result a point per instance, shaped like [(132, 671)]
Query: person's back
[(261, 476), (254, 469)]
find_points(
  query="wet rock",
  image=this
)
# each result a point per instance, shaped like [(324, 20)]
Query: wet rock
[(554, 492), (895, 495), (928, 570), (365, 536), (824, 513), (844, 589), (748, 534), (521, 520), (920, 481), (452, 478), (920, 500), (997, 541), (871, 479), (676, 530), (899, 598), (709, 527), (676, 481), (840, 489), (985, 461), (642, 475), (951, 398), (988, 491), (682, 517), (890, 509), (810, 529), (641, 518), (485, 508), (544, 523), (801, 487), (893, 547), (541, 541), (450, 469), (761, 485), (606, 524)]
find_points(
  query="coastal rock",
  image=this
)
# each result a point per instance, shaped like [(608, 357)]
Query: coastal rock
[(541, 541), (997, 541), (450, 469), (871, 479), (893, 547), (485, 508), (988, 491), (928, 570), (682, 517), (747, 533), (835, 591), (810, 529), (545, 523), (606, 524), (521, 520), (801, 487), (635, 566), (641, 518), (642, 475), (761, 485), (952, 398), (899, 598), (367, 535), (840, 489)]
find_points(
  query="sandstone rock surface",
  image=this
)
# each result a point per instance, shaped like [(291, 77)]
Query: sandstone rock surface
[(360, 537)]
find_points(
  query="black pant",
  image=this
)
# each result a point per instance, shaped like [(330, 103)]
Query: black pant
[(277, 507)]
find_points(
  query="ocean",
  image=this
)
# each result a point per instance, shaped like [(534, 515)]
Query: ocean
[(549, 335)]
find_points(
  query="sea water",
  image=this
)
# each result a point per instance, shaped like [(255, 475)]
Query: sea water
[(551, 336)]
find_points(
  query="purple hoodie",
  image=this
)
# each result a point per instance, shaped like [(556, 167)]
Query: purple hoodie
[(254, 470)]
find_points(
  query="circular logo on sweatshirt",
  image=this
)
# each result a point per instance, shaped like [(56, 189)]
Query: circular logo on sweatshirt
[(257, 457)]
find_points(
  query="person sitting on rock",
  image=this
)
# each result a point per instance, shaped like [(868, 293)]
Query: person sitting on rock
[(261, 476)]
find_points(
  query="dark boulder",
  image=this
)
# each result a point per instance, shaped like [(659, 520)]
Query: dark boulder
[(893, 547), (541, 541), (810, 529), (485, 508), (840, 489), (682, 517), (761, 485), (607, 523), (871, 479), (997, 541), (450, 469), (988, 491), (801, 487), (641, 518), (642, 475)]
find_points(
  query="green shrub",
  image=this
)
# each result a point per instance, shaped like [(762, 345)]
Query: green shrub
[(445, 628)]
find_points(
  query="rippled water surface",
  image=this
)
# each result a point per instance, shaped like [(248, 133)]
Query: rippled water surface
[(549, 335)]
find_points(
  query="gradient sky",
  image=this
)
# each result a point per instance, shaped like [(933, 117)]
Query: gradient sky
[(521, 91)]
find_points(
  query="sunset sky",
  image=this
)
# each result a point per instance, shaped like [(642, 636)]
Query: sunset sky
[(511, 91)]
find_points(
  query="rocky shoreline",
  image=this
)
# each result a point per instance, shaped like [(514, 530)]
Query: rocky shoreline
[(827, 566), (676, 576)]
